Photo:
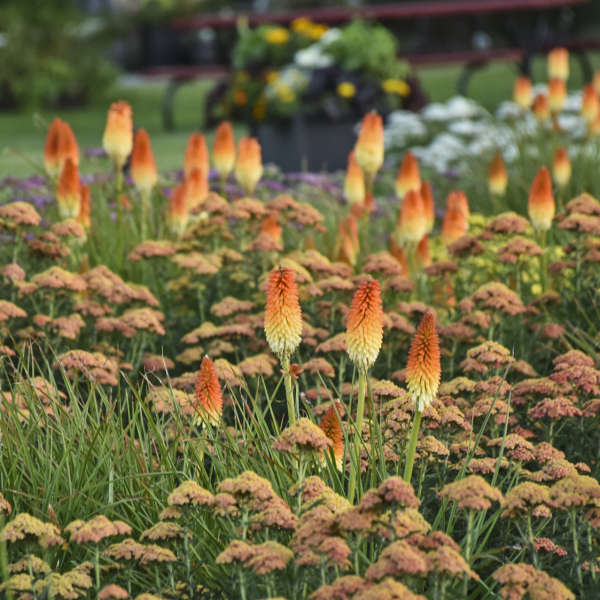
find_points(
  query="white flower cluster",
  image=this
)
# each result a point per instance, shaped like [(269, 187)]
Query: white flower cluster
[(446, 136), (315, 56)]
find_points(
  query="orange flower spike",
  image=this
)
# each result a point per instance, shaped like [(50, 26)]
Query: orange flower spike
[(557, 93), (248, 164), (354, 182), (596, 81), (52, 162), (428, 205), (369, 146), (458, 199), (408, 177), (423, 252), (590, 104), (561, 167), (196, 154), (594, 127), (331, 426), (423, 369), (364, 329), (67, 145), (272, 228), (412, 220), (177, 213), (283, 316), (541, 201), (398, 253), (348, 243), (118, 133), (454, 225), (558, 64), (68, 196), (208, 396), (196, 188), (85, 208), (224, 150), (541, 107), (143, 166), (523, 92), (497, 176)]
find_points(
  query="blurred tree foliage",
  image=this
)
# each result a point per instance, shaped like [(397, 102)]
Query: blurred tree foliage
[(51, 55)]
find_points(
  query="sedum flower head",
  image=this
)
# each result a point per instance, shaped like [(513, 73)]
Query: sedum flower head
[(472, 492)]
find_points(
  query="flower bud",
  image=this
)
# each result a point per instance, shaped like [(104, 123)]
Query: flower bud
[(118, 133), (143, 167), (541, 201), (248, 164), (224, 149), (369, 146)]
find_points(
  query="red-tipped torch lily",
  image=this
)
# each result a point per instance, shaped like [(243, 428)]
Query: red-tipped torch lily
[(423, 373), (283, 325)]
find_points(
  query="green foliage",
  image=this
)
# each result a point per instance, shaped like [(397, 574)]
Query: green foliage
[(370, 48), (50, 56)]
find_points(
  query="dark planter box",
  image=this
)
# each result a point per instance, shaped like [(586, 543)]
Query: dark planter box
[(303, 144)]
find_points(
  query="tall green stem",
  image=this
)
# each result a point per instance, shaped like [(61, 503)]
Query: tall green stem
[(469, 543), (360, 411), (576, 547), (289, 393), (543, 262), (412, 446), (119, 180)]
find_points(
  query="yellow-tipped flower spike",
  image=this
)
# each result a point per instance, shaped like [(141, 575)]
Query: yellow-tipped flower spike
[(224, 149), (369, 146), (248, 164), (331, 426), (118, 134), (423, 370), (557, 94), (558, 64), (497, 176), (364, 330), (541, 206), (208, 400), (143, 166), (354, 182), (523, 92), (283, 316), (561, 167), (590, 104), (408, 177)]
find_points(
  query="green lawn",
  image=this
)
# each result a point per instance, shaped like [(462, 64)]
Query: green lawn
[(22, 138)]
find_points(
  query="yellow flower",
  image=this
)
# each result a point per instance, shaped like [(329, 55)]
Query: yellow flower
[(277, 35), (346, 89), (536, 289), (285, 93), (301, 24), (315, 31), (272, 76), (396, 86)]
